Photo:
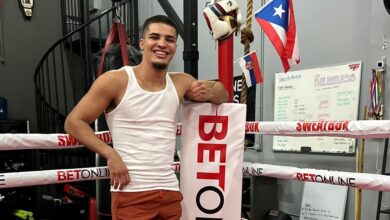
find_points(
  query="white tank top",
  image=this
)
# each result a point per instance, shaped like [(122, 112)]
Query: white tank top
[(143, 128)]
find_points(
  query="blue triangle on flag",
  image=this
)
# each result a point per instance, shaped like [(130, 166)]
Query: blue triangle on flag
[(275, 12)]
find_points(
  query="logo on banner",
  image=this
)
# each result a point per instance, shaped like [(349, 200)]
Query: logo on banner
[(82, 174), (253, 127), (323, 126), (258, 171), (216, 153), (311, 177), (67, 140)]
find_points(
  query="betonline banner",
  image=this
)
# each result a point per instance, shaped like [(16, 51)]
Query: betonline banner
[(212, 159)]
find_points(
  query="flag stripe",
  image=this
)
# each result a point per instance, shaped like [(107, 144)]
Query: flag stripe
[(291, 34), (272, 35), (246, 73), (251, 69), (253, 77), (257, 71)]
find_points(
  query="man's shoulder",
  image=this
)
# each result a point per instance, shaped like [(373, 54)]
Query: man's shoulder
[(182, 81), (176, 73), (113, 79), (114, 75), (180, 75)]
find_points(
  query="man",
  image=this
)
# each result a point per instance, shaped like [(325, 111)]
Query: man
[(140, 104)]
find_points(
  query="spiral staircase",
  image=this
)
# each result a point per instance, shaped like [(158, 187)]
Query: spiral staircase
[(68, 68), (62, 77)]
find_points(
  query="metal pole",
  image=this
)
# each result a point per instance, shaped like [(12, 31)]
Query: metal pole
[(190, 53), (225, 64), (170, 11)]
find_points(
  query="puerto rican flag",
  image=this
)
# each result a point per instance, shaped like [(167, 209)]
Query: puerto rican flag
[(251, 69), (278, 22)]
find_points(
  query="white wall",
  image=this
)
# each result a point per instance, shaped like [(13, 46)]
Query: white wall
[(329, 32)]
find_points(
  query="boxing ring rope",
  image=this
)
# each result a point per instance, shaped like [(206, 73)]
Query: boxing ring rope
[(352, 129), (359, 180), (349, 129)]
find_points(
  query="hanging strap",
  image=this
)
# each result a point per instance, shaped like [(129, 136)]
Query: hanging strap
[(117, 34), (124, 40)]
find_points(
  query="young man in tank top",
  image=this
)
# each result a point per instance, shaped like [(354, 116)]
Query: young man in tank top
[(140, 104)]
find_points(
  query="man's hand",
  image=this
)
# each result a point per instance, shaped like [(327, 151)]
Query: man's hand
[(119, 176), (199, 91)]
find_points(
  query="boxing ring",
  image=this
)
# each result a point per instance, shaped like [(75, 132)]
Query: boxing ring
[(350, 129)]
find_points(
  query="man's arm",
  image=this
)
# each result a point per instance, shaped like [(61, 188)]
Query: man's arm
[(203, 90), (89, 108), (212, 91)]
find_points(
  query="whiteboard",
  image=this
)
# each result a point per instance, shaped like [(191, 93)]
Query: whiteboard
[(321, 94), (323, 202)]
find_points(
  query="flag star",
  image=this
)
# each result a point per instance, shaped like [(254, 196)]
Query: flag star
[(279, 11)]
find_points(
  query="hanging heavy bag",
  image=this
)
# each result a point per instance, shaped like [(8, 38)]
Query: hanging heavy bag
[(117, 52)]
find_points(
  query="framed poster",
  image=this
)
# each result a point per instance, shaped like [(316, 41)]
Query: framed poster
[(321, 94)]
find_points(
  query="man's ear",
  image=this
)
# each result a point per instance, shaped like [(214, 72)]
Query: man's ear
[(141, 44)]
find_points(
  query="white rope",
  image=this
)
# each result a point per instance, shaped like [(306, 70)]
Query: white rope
[(354, 129), (359, 180), (349, 129), (44, 177), (45, 141)]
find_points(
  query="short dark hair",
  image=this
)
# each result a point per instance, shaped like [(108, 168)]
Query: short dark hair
[(158, 19)]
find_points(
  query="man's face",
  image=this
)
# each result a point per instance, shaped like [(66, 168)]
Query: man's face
[(159, 45)]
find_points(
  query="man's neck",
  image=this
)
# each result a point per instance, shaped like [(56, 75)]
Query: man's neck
[(150, 72), (150, 77)]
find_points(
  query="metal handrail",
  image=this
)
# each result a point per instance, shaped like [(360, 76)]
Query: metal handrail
[(68, 68)]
